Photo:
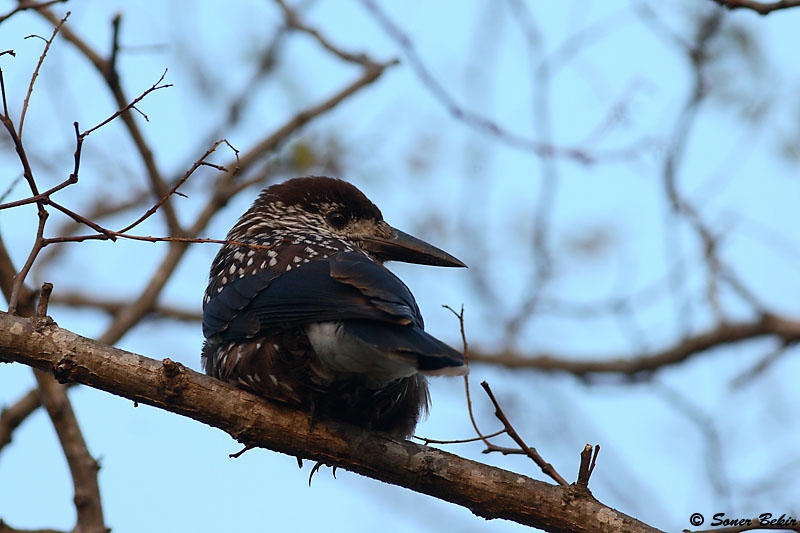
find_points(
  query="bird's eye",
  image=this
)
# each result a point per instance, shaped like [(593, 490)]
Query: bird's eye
[(338, 219)]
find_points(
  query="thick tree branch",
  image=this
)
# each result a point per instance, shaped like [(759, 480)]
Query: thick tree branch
[(487, 491)]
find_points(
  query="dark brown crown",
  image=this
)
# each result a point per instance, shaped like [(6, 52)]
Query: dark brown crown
[(313, 192)]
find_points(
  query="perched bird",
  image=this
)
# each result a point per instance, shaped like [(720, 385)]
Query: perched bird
[(299, 308)]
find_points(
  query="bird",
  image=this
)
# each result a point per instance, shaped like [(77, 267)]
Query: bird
[(301, 309)]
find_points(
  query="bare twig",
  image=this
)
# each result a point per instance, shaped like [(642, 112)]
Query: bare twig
[(44, 300), (271, 142), (130, 105), (467, 393), (174, 189), (588, 462), (72, 179), (35, 74), (546, 467), (480, 438), (19, 279), (42, 196), (476, 120), (293, 21), (27, 172), (541, 257)]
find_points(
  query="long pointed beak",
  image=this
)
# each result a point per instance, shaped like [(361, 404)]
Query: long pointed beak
[(400, 246)]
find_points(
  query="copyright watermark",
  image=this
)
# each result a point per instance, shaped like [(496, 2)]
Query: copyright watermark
[(723, 520)]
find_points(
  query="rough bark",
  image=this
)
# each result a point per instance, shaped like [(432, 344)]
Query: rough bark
[(487, 491)]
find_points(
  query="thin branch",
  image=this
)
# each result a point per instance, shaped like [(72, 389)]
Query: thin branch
[(103, 233), (130, 105), (480, 438), (174, 189), (467, 393), (478, 121), (465, 350), (71, 179), (725, 333), (546, 467), (541, 256), (35, 74), (271, 142), (757, 369), (42, 196), (487, 491), (17, 286), (293, 21), (107, 69), (12, 417), (80, 219), (19, 278)]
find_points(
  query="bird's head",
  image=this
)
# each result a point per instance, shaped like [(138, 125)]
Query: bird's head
[(336, 209)]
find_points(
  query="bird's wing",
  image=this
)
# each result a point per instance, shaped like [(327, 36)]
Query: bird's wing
[(344, 286)]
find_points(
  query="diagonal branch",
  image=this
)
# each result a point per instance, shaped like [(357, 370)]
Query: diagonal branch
[(11, 417), (487, 491), (24, 5), (82, 466)]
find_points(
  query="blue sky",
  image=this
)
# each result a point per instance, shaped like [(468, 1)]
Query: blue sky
[(164, 473)]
